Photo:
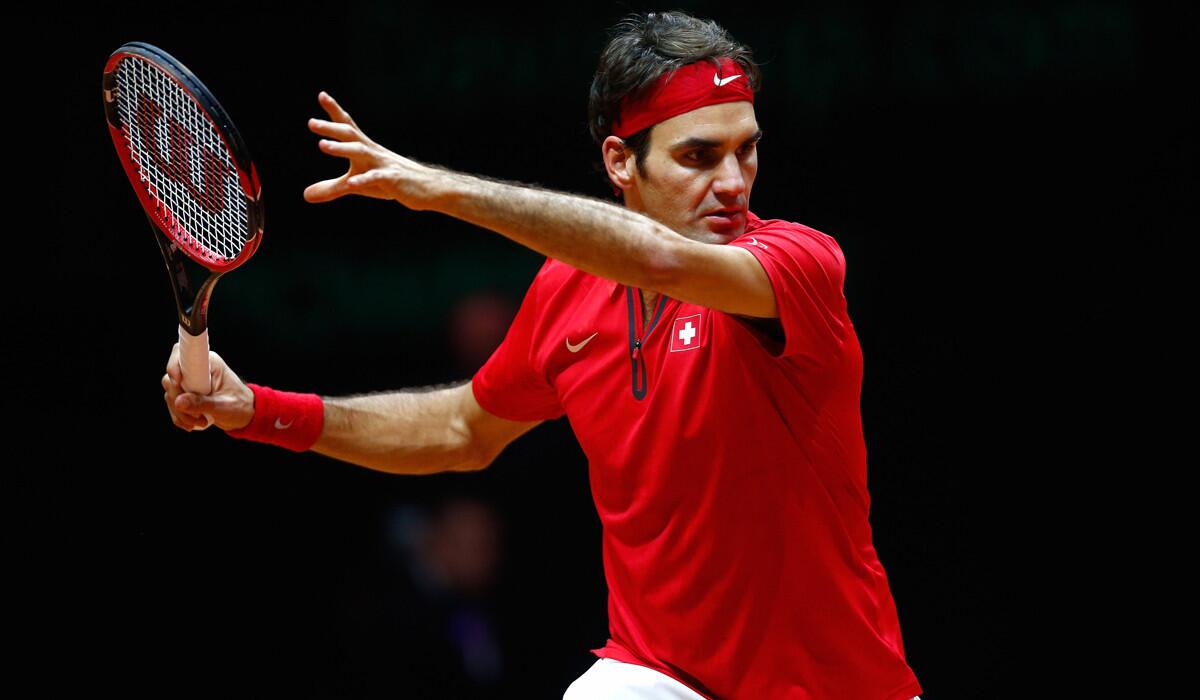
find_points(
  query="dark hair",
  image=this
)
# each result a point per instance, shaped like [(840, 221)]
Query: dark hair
[(645, 45)]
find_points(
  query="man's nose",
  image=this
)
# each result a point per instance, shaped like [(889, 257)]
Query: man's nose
[(730, 180)]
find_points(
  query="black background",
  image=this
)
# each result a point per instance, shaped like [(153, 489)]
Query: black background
[(1004, 180)]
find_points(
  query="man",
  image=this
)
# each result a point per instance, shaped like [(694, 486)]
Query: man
[(708, 367)]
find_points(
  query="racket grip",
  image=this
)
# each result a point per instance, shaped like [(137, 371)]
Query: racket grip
[(193, 362)]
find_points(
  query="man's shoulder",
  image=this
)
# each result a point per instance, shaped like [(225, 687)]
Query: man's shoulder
[(791, 235), (756, 224)]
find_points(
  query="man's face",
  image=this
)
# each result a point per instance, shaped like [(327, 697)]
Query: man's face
[(697, 175)]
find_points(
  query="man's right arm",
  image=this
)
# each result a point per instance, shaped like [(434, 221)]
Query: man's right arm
[(404, 432), (416, 432)]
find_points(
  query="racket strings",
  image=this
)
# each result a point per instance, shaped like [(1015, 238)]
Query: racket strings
[(182, 161)]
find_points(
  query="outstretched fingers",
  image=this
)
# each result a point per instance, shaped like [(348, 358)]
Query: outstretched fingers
[(334, 109), (368, 173), (344, 149), (327, 190), (345, 132)]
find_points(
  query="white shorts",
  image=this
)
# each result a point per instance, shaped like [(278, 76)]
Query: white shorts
[(609, 679)]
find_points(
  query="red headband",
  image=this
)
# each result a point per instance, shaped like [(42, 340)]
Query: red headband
[(690, 87)]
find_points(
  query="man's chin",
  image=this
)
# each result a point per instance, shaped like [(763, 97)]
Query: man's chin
[(702, 232), (705, 234)]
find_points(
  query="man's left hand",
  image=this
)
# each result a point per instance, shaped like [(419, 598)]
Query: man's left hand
[(374, 170)]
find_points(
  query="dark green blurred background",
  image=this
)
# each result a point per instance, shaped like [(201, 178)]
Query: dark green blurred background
[(1003, 178)]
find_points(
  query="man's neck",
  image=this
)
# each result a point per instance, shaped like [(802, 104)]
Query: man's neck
[(649, 302)]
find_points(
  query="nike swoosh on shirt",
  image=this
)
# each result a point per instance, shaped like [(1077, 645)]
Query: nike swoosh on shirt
[(280, 426), (577, 348), (722, 81)]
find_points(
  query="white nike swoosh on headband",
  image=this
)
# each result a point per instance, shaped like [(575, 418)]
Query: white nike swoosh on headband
[(721, 81)]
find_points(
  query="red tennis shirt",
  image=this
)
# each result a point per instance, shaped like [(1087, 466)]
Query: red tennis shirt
[(728, 469)]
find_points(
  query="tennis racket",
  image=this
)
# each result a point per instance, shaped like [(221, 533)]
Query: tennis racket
[(194, 177)]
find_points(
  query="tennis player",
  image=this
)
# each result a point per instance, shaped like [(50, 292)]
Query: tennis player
[(705, 359)]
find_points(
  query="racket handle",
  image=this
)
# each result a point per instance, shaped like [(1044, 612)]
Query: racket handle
[(193, 362)]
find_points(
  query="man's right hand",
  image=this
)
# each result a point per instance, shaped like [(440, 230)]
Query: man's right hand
[(231, 403)]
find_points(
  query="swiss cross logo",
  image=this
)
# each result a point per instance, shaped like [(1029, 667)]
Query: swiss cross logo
[(685, 333)]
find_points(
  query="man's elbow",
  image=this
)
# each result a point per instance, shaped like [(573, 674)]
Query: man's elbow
[(665, 266), (476, 458)]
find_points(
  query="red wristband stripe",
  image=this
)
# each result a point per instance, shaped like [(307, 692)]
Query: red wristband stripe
[(289, 420)]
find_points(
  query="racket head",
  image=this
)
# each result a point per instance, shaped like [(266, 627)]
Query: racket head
[(183, 156)]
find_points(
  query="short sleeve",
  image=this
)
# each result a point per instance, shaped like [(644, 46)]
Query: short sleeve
[(806, 269), (509, 384)]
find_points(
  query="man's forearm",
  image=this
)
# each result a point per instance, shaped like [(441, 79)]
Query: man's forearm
[(411, 432), (604, 239)]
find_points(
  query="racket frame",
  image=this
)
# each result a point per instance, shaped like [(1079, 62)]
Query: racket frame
[(173, 240)]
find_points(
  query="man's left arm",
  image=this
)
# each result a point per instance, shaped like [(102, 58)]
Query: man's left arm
[(724, 277), (599, 237), (613, 242)]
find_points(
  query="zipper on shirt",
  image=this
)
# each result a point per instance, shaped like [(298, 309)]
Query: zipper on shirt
[(637, 358)]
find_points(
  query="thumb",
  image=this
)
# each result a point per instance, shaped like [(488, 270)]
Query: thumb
[(224, 409), (194, 404), (326, 190)]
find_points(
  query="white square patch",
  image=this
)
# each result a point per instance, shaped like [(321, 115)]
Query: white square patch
[(685, 333)]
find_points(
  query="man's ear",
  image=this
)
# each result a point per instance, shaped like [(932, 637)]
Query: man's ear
[(619, 162)]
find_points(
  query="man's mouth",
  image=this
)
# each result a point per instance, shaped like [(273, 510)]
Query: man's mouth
[(724, 218)]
